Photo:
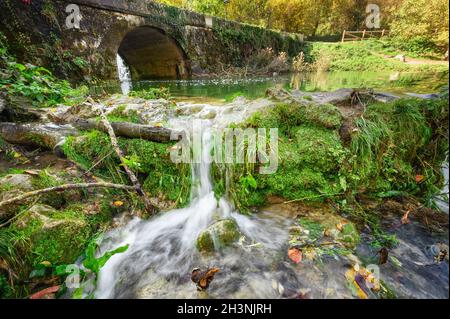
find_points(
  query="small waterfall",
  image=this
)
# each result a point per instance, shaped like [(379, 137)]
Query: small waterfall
[(165, 244), (124, 75), (162, 251)]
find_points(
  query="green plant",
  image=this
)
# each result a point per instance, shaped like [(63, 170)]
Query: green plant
[(152, 93)]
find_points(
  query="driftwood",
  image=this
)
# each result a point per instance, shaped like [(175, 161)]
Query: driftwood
[(126, 129), (115, 144), (60, 188)]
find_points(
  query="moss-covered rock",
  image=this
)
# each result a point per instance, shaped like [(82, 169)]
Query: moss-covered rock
[(54, 236), (219, 235)]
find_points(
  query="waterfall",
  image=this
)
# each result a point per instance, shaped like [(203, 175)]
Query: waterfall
[(166, 242), (124, 75)]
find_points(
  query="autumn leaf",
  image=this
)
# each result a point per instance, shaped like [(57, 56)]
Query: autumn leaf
[(46, 292), (383, 255), (203, 278), (419, 178), (118, 203), (405, 219), (295, 255)]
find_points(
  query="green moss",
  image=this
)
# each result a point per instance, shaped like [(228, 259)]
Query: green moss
[(45, 180), (151, 161), (365, 56), (54, 236), (349, 235), (219, 235), (392, 143)]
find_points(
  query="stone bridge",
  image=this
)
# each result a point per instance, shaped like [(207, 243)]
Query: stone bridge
[(155, 40)]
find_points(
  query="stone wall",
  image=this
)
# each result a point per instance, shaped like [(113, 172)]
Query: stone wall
[(37, 33)]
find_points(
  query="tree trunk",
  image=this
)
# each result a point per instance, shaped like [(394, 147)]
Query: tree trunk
[(126, 129)]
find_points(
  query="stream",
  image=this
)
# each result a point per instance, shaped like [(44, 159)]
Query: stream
[(162, 251)]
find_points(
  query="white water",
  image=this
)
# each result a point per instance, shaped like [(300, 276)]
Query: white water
[(124, 75), (162, 250)]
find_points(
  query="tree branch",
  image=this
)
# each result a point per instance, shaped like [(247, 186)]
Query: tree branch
[(62, 188), (115, 144)]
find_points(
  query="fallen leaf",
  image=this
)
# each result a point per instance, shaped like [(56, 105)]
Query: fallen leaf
[(118, 203), (295, 255), (405, 219), (341, 225), (383, 256), (46, 263), (419, 178), (46, 292), (203, 278), (32, 173)]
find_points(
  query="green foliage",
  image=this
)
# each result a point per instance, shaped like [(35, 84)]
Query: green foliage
[(94, 263), (368, 55), (151, 160), (152, 93), (36, 83), (399, 140)]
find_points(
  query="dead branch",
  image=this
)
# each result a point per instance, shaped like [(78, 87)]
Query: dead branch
[(60, 188), (115, 144)]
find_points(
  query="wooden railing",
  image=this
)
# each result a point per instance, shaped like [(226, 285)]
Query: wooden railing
[(363, 35)]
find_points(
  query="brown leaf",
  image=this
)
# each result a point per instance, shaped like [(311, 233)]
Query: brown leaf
[(203, 278), (48, 292), (405, 219), (383, 256), (295, 255)]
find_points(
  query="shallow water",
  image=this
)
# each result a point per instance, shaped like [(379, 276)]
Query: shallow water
[(255, 87), (162, 252)]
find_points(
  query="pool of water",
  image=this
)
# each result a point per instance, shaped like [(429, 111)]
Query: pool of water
[(255, 87)]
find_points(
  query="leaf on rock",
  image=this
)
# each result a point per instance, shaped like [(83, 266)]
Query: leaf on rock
[(295, 255)]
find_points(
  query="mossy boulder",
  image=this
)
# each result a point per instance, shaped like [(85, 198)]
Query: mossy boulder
[(219, 235), (51, 235)]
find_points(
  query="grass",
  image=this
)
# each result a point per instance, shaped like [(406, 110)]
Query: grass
[(151, 162), (364, 56), (391, 145)]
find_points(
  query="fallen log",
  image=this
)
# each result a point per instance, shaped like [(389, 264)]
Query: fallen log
[(51, 136), (126, 129), (47, 135), (60, 188)]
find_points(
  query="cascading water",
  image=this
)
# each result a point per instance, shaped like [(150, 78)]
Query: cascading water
[(162, 251), (124, 75)]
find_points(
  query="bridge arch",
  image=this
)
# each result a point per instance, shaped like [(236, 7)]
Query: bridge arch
[(151, 53)]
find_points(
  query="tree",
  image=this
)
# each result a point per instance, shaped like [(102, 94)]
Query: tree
[(423, 19)]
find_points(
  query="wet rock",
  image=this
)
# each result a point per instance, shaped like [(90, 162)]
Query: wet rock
[(17, 182), (208, 114), (219, 235)]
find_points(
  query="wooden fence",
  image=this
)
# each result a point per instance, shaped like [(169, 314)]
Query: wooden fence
[(363, 35)]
